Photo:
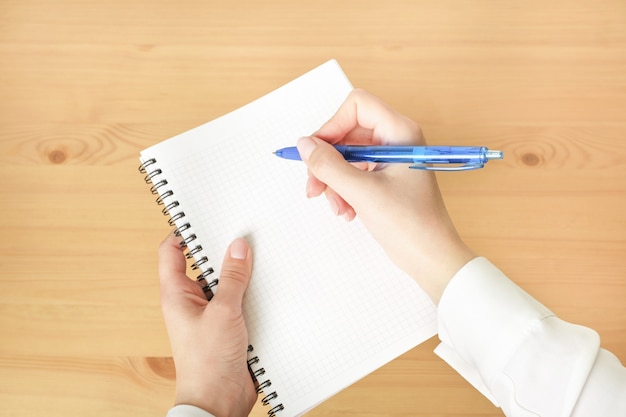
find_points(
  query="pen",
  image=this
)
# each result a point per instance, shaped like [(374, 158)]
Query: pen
[(442, 158)]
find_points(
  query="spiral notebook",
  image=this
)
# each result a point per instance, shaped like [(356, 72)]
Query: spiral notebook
[(325, 306)]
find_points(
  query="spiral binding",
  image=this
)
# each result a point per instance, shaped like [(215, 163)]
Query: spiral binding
[(154, 176), (263, 385)]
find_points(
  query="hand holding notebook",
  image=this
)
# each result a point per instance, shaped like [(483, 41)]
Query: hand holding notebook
[(223, 386)]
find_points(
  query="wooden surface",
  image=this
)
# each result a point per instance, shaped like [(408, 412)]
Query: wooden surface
[(85, 85)]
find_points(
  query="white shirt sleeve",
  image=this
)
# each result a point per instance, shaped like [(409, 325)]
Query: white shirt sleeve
[(520, 355), (188, 411)]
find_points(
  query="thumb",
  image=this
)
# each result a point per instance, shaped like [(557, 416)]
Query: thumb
[(329, 167), (235, 273)]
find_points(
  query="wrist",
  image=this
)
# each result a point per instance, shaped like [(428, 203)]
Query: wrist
[(211, 401), (457, 257), (437, 264), (186, 410), (222, 398)]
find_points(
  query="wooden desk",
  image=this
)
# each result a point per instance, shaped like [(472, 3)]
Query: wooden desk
[(85, 85)]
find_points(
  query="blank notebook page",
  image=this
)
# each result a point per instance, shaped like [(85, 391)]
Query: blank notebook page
[(325, 306)]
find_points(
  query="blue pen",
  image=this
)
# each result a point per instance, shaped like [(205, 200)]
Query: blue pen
[(439, 158)]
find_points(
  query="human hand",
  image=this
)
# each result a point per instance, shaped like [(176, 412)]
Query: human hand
[(401, 207), (209, 339)]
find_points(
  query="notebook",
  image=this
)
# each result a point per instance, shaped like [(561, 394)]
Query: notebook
[(325, 306)]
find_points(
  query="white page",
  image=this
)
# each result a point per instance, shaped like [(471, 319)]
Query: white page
[(325, 306)]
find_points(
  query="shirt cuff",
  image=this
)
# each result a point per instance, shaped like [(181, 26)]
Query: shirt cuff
[(509, 346), (184, 410), (480, 315)]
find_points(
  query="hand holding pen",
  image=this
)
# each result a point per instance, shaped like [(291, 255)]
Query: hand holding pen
[(403, 209)]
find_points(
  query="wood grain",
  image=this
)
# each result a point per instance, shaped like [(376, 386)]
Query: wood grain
[(86, 85)]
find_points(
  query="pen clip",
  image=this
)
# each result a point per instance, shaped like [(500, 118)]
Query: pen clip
[(466, 167)]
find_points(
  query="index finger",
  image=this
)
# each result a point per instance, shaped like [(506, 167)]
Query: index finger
[(173, 279), (366, 119), (172, 264)]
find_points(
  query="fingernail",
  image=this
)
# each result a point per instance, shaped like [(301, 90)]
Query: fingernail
[(239, 249), (305, 147)]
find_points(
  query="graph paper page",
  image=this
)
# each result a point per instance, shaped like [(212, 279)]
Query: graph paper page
[(325, 306)]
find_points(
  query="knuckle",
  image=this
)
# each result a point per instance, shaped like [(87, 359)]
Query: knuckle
[(236, 274)]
